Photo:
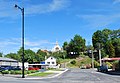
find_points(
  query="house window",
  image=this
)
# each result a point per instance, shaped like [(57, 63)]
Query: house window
[(53, 62), (48, 62)]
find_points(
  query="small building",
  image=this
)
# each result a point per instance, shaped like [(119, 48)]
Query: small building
[(51, 61), (8, 62)]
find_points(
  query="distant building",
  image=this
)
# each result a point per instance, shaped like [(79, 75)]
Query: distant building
[(56, 48), (8, 62)]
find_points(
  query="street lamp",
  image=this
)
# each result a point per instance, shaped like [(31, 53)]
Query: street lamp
[(22, 10)]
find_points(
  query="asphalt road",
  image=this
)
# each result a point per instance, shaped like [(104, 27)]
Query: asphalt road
[(71, 76)]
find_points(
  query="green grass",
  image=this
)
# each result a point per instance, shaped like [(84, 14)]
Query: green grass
[(71, 65), (42, 74), (65, 60)]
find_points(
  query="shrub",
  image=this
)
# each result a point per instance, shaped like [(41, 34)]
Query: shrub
[(5, 72), (12, 72), (18, 72), (73, 62), (28, 72), (33, 71), (96, 64), (109, 64)]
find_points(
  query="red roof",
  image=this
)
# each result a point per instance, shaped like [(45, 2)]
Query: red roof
[(110, 59)]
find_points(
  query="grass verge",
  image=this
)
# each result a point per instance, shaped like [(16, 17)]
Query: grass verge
[(42, 74)]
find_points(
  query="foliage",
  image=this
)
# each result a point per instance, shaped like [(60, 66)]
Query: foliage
[(59, 54), (5, 72), (109, 42), (75, 46), (40, 55), (29, 55), (1, 54), (109, 64), (73, 62), (13, 56), (96, 64)]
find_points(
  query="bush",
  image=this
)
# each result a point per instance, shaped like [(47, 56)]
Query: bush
[(96, 64), (5, 72), (109, 64), (18, 72), (33, 71), (28, 72), (73, 62), (12, 72)]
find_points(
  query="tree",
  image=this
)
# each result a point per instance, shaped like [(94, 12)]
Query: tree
[(109, 41), (13, 56), (75, 46), (65, 45), (97, 38), (1, 54), (40, 55), (59, 54), (29, 55), (110, 49), (116, 44)]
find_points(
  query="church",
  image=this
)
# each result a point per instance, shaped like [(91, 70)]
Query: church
[(56, 48)]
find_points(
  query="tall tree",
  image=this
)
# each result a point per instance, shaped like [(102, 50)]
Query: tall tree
[(29, 55), (116, 44), (97, 38), (76, 45), (109, 40)]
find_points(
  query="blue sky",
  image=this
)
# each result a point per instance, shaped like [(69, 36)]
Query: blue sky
[(49, 20)]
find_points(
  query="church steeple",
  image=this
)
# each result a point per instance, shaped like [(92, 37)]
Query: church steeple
[(56, 43)]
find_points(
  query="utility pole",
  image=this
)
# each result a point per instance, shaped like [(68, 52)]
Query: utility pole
[(92, 59), (100, 55)]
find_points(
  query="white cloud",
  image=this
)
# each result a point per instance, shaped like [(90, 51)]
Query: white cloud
[(95, 21), (55, 5), (116, 1), (7, 7), (14, 44), (7, 42), (36, 43)]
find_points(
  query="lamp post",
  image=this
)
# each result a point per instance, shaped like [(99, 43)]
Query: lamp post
[(22, 10)]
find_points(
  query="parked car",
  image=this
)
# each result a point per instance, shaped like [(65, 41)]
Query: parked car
[(16, 68), (33, 68), (102, 68), (3, 68)]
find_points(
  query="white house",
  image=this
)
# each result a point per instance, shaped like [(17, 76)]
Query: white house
[(51, 61)]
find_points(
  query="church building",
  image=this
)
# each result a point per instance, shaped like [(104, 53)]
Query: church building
[(56, 48)]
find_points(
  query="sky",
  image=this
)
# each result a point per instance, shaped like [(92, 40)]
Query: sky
[(48, 21)]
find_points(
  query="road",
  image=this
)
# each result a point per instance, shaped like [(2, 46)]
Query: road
[(71, 76)]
